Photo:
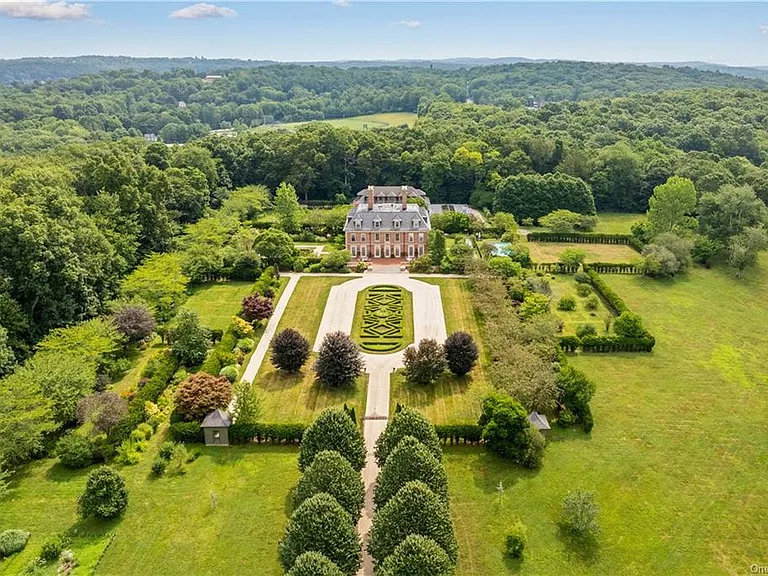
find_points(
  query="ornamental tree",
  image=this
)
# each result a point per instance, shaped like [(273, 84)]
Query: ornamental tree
[(407, 422), (290, 350), (321, 525), (507, 431), (417, 556), (331, 473), (461, 353), (105, 495), (200, 393), (103, 410), (314, 564), (415, 509), (424, 363), (339, 361), (190, 339), (579, 514), (629, 325), (333, 429), (257, 308), (134, 320), (410, 460)]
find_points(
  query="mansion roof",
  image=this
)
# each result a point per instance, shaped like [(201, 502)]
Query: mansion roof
[(387, 217)]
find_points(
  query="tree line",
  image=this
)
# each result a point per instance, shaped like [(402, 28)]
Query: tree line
[(178, 105)]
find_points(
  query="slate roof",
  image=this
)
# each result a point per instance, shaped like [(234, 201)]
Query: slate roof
[(539, 421), (386, 214), (217, 419), (394, 192)]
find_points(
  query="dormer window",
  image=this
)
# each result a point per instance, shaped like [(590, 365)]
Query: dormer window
[(396, 222), (358, 223), (415, 222), (377, 222)]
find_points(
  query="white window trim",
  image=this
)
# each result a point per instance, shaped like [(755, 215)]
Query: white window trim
[(377, 251)]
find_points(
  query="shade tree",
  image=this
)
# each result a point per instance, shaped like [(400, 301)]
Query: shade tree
[(290, 350)]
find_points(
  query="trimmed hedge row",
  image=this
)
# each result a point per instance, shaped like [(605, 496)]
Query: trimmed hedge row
[(586, 238), (556, 267), (164, 370), (614, 300), (617, 344), (190, 432), (614, 267), (459, 433)]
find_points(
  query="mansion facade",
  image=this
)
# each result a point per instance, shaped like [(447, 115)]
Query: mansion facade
[(382, 223)]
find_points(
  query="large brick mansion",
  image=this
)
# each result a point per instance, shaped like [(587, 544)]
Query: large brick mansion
[(383, 224)]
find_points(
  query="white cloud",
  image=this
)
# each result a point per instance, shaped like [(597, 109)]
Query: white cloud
[(43, 10), (203, 10), (763, 29), (342, 3), (410, 23)]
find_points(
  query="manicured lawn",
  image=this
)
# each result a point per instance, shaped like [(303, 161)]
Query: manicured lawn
[(364, 122), (383, 322), (297, 397), (550, 251), (169, 527), (217, 303), (450, 399), (139, 359), (616, 222), (677, 458), (564, 285)]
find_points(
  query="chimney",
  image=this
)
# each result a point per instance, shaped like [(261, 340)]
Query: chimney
[(404, 193), (370, 197)]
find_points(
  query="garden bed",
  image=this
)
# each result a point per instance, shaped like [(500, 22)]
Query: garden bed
[(383, 321)]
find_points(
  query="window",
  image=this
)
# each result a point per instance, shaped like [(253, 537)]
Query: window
[(376, 237), (363, 252), (352, 237), (386, 237), (358, 223), (387, 252), (397, 250), (415, 222), (421, 237), (216, 434), (376, 223), (377, 251), (396, 222), (354, 251), (410, 237), (362, 237), (397, 236), (410, 251), (421, 249)]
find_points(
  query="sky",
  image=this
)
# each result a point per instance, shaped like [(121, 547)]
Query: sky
[(720, 32)]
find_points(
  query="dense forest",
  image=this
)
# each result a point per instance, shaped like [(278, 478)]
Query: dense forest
[(179, 105)]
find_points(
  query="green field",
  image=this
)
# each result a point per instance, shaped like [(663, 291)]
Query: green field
[(551, 251), (383, 337), (297, 397), (564, 285), (677, 458), (365, 122), (217, 303), (616, 222), (169, 527), (450, 399)]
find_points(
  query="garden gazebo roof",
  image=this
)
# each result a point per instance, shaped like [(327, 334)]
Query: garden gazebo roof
[(217, 419), (539, 421)]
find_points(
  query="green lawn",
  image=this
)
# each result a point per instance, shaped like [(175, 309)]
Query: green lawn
[(450, 399), (551, 251), (169, 527), (217, 303), (677, 458), (297, 397), (565, 285), (371, 342), (616, 222), (365, 122)]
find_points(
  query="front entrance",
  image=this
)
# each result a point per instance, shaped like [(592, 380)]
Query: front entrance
[(387, 252)]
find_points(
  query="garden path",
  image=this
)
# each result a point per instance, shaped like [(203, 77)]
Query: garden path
[(266, 338), (428, 322)]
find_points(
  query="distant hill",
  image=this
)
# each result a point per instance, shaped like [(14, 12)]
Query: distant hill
[(46, 69)]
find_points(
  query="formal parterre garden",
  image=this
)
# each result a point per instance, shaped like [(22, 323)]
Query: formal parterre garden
[(383, 321)]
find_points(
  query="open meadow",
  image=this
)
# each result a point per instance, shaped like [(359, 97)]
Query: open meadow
[(551, 251), (676, 459), (364, 122)]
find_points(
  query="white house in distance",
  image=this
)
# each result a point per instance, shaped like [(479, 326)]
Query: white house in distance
[(382, 223)]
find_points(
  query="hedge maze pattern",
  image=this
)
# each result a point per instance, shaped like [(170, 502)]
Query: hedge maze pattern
[(383, 325)]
